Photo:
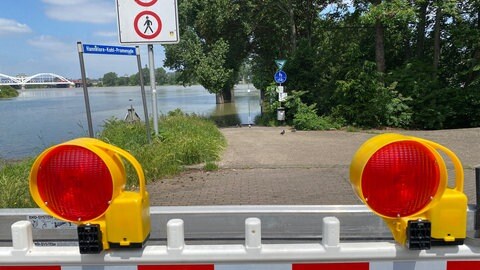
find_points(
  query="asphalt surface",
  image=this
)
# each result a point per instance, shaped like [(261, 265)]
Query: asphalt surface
[(261, 166)]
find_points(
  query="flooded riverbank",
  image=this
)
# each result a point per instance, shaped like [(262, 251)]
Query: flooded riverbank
[(39, 118)]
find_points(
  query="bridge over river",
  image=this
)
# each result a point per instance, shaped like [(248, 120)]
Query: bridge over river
[(37, 79)]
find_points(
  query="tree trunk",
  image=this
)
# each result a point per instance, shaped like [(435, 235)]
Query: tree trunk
[(219, 97), (226, 96), (379, 43), (437, 41), (421, 30), (293, 28), (380, 47), (476, 56)]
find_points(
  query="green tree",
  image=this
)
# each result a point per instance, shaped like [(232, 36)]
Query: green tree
[(160, 76), (419, 61), (135, 79), (215, 40), (110, 79), (123, 80), (384, 14), (7, 91)]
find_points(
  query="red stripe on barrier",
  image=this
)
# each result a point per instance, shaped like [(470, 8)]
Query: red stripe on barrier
[(177, 267), (332, 266), (19, 267), (463, 265)]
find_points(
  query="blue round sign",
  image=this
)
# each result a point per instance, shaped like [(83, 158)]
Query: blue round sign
[(280, 76)]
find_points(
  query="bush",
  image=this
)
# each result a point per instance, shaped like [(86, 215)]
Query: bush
[(298, 113), (8, 92), (183, 140), (306, 118), (364, 100), (427, 99), (270, 106)]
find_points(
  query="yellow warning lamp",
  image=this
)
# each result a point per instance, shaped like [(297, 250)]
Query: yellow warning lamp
[(404, 180), (83, 181)]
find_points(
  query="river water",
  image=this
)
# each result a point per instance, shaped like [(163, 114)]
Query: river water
[(40, 118)]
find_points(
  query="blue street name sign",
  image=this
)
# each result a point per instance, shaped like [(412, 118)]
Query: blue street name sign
[(105, 49), (280, 76)]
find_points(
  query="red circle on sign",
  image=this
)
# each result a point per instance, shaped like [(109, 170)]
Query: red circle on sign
[(146, 4), (143, 34)]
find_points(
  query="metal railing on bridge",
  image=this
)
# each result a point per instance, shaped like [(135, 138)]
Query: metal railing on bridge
[(37, 79)]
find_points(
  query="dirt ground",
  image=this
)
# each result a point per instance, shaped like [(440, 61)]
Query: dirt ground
[(261, 166)]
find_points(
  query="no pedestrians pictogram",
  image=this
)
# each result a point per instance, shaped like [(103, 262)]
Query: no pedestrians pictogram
[(147, 24), (148, 21)]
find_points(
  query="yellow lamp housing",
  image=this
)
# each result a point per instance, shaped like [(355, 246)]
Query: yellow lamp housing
[(404, 179), (83, 181)]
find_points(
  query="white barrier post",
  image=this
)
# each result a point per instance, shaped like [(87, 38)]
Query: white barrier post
[(253, 233), (175, 234), (331, 232), (22, 238)]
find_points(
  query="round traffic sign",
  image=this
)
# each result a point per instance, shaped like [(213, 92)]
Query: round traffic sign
[(280, 76), (146, 3), (150, 26)]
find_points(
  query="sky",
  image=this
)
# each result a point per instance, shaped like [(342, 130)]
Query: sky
[(40, 36)]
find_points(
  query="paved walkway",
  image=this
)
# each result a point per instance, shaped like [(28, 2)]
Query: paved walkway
[(261, 166)]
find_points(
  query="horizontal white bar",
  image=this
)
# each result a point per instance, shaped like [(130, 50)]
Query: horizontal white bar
[(227, 222), (359, 252)]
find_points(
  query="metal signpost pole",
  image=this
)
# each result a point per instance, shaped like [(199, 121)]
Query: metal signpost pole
[(153, 87), (148, 22), (144, 98), (85, 89)]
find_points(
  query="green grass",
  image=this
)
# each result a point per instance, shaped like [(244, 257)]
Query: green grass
[(183, 140), (14, 191), (210, 166)]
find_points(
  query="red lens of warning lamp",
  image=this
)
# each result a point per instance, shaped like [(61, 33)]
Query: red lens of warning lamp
[(390, 179), (75, 183), (83, 181), (404, 179)]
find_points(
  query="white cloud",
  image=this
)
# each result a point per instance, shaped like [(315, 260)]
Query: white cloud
[(54, 55), (12, 27), (90, 11), (50, 43)]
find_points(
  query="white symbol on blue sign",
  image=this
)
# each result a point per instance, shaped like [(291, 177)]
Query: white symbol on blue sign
[(280, 76), (105, 49)]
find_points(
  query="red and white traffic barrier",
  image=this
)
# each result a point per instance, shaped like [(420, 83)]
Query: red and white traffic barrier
[(329, 254)]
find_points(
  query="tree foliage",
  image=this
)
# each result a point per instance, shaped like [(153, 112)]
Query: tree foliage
[(8, 92), (372, 63), (162, 77), (214, 42)]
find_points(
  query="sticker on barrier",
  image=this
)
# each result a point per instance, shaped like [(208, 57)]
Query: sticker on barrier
[(48, 222)]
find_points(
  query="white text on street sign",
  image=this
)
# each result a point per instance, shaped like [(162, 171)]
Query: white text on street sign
[(106, 49)]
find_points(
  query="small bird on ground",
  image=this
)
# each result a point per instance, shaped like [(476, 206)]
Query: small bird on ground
[(283, 132)]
